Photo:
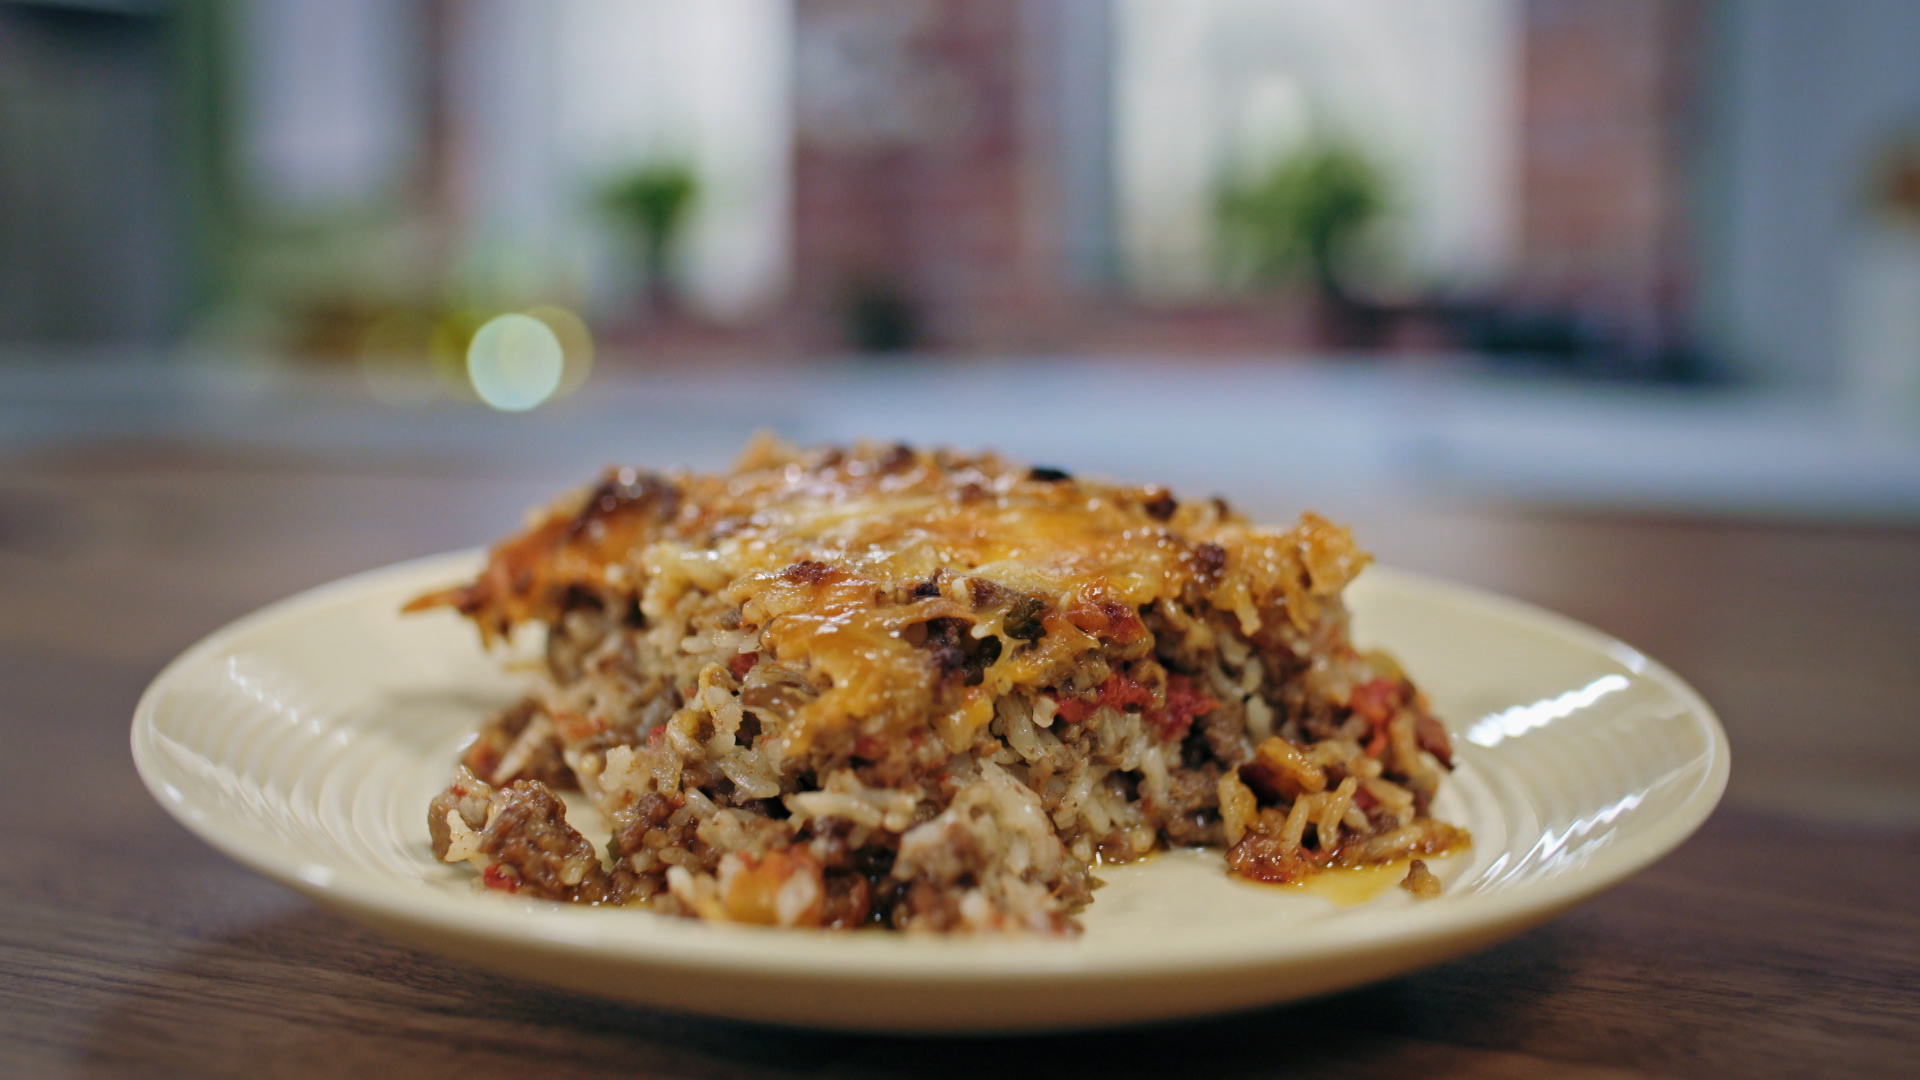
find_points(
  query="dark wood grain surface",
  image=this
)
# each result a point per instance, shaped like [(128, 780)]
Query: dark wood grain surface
[(1783, 940)]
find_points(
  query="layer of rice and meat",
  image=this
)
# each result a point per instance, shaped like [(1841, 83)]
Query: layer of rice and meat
[(926, 690)]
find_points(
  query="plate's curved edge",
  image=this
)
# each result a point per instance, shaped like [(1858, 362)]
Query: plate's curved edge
[(1639, 663), (218, 640), (1700, 803), (141, 733), (742, 950)]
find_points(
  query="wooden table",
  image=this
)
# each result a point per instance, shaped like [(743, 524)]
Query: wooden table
[(1784, 940)]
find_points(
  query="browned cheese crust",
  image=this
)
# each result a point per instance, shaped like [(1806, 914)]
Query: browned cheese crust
[(923, 689)]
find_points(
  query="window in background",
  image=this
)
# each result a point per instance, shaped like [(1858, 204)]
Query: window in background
[(1214, 93), (330, 103), (587, 132), (330, 107), (701, 87), (620, 157), (1809, 225)]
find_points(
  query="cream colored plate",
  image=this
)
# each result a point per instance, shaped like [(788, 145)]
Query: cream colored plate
[(306, 739)]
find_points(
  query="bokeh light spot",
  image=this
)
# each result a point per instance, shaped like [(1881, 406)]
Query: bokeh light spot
[(576, 345), (515, 362)]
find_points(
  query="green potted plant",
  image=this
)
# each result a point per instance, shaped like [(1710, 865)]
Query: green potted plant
[(654, 201), (1300, 217)]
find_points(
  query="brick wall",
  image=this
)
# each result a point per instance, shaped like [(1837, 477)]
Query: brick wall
[(923, 169), (1607, 99), (910, 165)]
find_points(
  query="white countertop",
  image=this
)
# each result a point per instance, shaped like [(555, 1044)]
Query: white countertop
[(1269, 434)]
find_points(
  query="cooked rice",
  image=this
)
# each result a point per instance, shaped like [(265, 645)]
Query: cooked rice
[(927, 690)]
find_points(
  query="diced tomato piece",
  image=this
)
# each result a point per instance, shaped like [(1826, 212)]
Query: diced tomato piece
[(1073, 710), (1185, 703), (1376, 700), (499, 877), (1377, 745), (1120, 693)]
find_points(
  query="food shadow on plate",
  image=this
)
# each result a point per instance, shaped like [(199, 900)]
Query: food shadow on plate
[(311, 991)]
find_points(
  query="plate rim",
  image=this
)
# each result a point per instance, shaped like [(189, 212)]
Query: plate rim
[(828, 956)]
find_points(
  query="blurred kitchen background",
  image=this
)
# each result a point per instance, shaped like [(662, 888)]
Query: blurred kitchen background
[(1645, 254)]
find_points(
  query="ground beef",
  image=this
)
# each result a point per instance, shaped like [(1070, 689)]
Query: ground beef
[(1080, 676), (848, 902), (468, 796), (1225, 736), (957, 653), (536, 852), (1209, 561), (498, 736), (647, 811), (1191, 815), (1420, 881)]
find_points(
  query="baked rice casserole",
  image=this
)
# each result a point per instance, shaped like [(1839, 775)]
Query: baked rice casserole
[(926, 690)]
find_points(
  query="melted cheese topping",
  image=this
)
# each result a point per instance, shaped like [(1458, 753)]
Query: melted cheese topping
[(843, 558)]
